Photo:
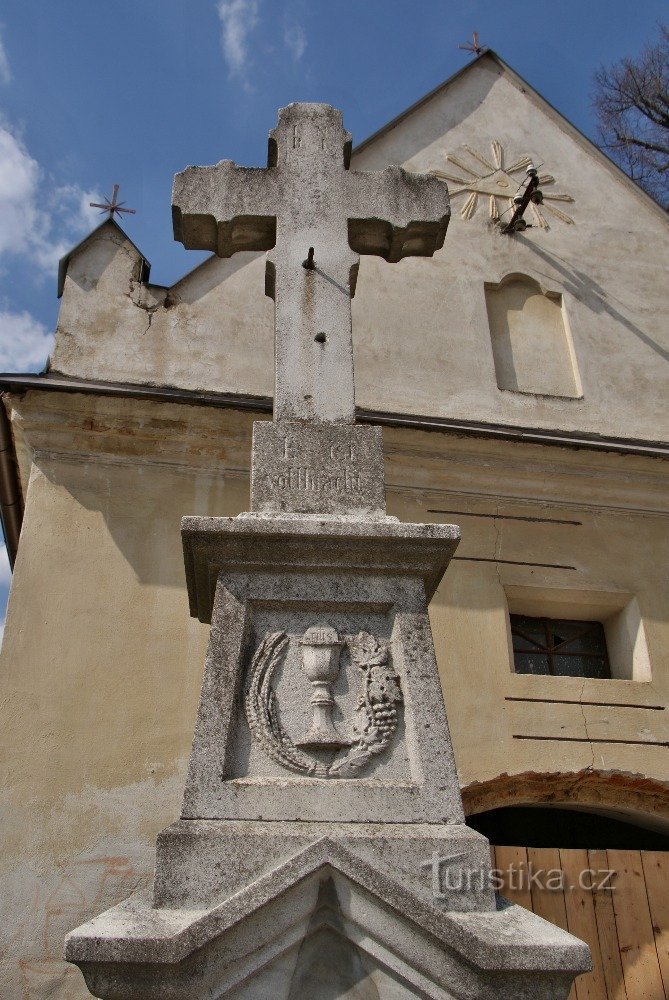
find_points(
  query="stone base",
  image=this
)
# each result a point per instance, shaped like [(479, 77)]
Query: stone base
[(334, 915), (303, 877), (263, 575), (203, 862), (317, 469)]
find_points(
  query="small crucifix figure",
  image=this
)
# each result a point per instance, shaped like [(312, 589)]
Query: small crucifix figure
[(315, 216)]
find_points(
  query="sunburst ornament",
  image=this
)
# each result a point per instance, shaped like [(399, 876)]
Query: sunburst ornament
[(489, 178)]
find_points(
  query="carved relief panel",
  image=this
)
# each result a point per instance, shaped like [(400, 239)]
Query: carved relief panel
[(320, 674), (367, 734)]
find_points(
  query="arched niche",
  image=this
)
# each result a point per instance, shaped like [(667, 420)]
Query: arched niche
[(531, 341)]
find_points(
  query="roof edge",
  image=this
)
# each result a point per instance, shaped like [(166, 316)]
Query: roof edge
[(523, 84), (65, 260), (389, 126), (51, 382)]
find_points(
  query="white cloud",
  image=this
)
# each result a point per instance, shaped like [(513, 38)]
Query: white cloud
[(295, 39), (88, 217), (32, 207), (23, 222), (238, 18), (25, 344), (5, 72)]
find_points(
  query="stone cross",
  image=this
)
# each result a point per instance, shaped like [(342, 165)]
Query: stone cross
[(315, 216), (271, 812)]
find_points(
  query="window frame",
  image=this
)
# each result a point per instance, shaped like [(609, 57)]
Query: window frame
[(549, 649)]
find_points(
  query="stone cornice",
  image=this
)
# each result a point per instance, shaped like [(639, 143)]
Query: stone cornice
[(21, 383), (206, 440)]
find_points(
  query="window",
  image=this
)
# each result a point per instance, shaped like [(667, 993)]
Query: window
[(618, 612), (558, 646)]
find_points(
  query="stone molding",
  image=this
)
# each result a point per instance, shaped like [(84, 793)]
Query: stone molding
[(200, 440), (315, 544)]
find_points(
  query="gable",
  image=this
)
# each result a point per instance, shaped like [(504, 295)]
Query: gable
[(101, 242), (595, 247), (422, 334), (485, 94)]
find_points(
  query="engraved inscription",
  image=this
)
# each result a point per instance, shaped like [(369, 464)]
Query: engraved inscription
[(317, 469), (305, 479), (344, 452), (307, 136)]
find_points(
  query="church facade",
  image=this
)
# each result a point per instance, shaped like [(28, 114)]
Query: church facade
[(520, 381)]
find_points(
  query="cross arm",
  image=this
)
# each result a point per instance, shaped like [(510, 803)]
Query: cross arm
[(225, 208), (393, 213)]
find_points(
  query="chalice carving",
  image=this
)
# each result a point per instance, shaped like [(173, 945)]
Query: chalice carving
[(321, 647)]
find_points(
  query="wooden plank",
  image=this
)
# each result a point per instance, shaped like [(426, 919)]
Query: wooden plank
[(656, 875), (511, 863), (607, 932), (638, 953), (581, 921), (548, 903)]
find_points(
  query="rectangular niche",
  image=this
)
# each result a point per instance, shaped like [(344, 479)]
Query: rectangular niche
[(619, 614), (531, 342)]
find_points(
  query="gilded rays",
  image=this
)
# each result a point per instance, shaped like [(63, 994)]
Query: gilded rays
[(487, 178)]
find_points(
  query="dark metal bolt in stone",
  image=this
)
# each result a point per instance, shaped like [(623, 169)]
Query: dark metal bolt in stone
[(309, 263)]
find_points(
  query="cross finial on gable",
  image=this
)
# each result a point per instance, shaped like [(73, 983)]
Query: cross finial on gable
[(112, 205), (474, 47)]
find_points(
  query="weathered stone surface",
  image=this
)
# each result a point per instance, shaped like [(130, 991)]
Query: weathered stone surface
[(317, 469), (309, 865), (135, 950), (201, 863), (315, 544), (279, 577), (308, 198)]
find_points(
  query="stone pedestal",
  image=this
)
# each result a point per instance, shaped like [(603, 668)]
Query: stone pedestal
[(310, 469), (337, 918), (322, 872)]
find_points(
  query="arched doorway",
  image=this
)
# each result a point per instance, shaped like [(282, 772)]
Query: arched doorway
[(590, 853)]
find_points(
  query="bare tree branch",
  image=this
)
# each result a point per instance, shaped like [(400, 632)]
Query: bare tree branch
[(631, 101)]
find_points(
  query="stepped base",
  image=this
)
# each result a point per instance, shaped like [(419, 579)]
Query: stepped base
[(334, 915)]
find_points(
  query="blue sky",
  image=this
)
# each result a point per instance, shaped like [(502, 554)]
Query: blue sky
[(131, 92)]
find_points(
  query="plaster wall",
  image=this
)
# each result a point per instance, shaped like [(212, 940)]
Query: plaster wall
[(420, 328), (101, 663), (607, 266)]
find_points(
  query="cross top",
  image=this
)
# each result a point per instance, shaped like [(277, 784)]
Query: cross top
[(315, 216)]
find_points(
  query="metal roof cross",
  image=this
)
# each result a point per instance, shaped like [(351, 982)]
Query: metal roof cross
[(113, 205), (474, 47)]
